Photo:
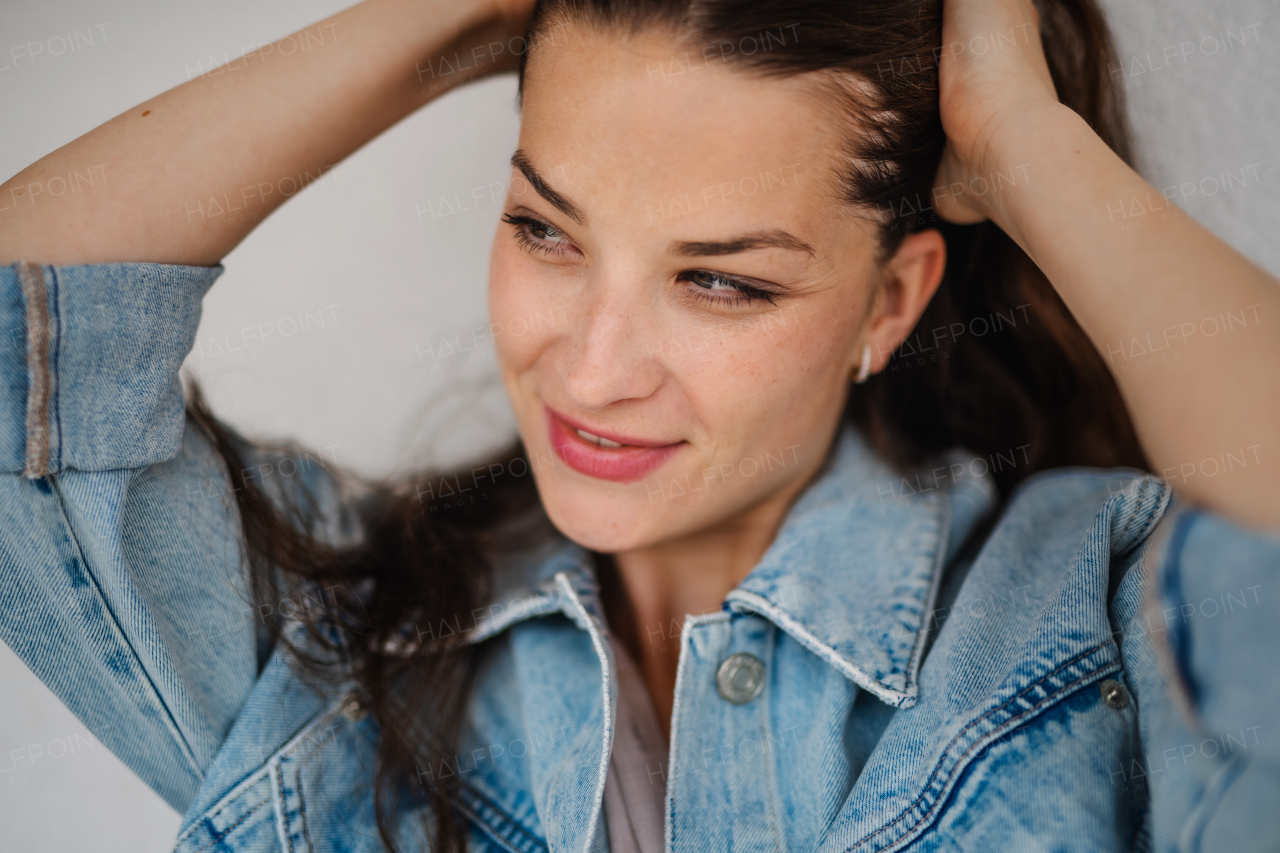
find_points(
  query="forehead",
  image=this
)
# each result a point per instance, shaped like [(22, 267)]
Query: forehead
[(672, 130)]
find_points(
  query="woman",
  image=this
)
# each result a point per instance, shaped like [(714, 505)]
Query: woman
[(796, 574)]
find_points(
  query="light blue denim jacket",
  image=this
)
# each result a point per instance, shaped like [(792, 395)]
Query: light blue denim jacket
[(1094, 668)]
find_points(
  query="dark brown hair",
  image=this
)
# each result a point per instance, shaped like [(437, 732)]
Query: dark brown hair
[(1034, 384)]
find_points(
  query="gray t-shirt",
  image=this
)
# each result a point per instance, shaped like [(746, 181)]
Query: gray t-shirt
[(635, 789)]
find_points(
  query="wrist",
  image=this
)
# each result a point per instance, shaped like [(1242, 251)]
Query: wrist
[(1022, 149)]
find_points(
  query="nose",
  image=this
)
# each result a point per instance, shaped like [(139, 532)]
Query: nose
[(609, 352)]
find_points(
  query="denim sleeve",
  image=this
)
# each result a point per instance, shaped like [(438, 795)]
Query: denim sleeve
[(121, 570), (1204, 656), (89, 366)]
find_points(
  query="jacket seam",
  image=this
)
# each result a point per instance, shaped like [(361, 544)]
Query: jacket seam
[(875, 685), (302, 761), (517, 838), (285, 834), (986, 741), (302, 799), (476, 785), (1163, 581), (669, 809), (673, 751), (931, 595), (330, 713), (755, 603), (264, 771), (1135, 725), (766, 708), (983, 741), (218, 836), (119, 636), (606, 711), (225, 803)]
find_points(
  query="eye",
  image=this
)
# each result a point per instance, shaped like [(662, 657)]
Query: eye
[(537, 235), (721, 289)]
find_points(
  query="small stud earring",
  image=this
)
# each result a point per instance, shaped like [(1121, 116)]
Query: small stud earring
[(864, 369)]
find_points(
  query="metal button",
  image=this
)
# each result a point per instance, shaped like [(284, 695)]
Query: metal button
[(1114, 694), (740, 678)]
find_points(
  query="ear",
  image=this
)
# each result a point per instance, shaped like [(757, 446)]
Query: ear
[(911, 277)]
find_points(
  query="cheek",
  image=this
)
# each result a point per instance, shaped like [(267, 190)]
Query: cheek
[(775, 375), (522, 320)]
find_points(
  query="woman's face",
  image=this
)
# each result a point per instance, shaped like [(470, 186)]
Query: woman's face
[(676, 274)]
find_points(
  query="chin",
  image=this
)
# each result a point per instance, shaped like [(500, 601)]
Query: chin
[(594, 521)]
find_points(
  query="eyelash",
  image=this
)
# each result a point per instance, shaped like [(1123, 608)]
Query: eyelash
[(745, 292), (520, 223)]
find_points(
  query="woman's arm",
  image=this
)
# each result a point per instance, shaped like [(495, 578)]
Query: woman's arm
[(120, 541), (1139, 275), (299, 107)]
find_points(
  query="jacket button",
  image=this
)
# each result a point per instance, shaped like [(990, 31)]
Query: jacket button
[(1114, 694), (740, 678)]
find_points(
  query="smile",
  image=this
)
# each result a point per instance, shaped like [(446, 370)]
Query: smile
[(595, 439), (606, 457)]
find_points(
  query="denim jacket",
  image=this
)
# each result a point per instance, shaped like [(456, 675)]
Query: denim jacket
[(1087, 665)]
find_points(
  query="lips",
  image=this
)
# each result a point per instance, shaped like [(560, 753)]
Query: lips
[(631, 460)]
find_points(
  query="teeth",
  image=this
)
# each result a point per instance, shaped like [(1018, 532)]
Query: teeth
[(595, 439)]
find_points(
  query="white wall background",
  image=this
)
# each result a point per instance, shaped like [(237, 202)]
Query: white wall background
[(353, 291)]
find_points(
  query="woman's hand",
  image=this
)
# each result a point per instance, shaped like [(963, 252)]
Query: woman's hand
[(993, 83), (1186, 324), (513, 15), (505, 21)]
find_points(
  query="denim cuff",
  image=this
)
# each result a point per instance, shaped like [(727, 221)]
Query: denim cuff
[(89, 363), (1216, 592)]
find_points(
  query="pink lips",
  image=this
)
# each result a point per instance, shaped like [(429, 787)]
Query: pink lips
[(621, 464)]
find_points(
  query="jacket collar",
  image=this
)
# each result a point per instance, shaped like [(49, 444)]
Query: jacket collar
[(852, 574)]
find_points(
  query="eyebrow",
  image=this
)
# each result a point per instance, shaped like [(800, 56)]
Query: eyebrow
[(775, 239), (521, 161)]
